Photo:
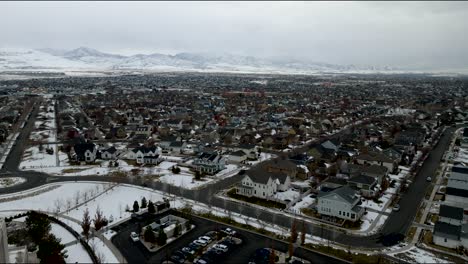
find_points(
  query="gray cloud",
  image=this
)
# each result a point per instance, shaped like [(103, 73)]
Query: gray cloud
[(430, 34)]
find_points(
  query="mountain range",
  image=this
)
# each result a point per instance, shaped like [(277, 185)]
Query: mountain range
[(84, 58)]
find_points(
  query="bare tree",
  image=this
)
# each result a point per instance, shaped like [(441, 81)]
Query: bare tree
[(69, 203), (58, 206), (85, 196), (77, 197)]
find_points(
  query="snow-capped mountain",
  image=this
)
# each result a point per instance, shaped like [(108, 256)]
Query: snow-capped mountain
[(91, 59)]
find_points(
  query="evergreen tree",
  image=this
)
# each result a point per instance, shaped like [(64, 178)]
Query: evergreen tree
[(177, 229), (162, 237), (144, 203), (136, 207), (86, 223), (38, 226), (149, 235), (99, 219), (151, 208), (51, 251)]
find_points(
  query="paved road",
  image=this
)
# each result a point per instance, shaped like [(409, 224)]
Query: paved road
[(136, 253), (397, 222)]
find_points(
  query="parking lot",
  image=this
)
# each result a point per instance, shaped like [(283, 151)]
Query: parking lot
[(135, 252)]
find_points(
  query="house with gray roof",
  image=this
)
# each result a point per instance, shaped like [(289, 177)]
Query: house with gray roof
[(451, 236), (451, 214), (366, 185), (262, 184), (341, 203)]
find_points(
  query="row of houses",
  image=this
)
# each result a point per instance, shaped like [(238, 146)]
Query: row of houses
[(451, 230)]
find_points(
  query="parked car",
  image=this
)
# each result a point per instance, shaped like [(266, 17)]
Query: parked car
[(201, 242), (229, 231), (429, 179), (396, 208), (188, 250), (206, 238), (221, 247), (134, 236)]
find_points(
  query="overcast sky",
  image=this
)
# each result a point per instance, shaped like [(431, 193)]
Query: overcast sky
[(380, 33)]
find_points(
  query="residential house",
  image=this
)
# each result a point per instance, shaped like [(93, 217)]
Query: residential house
[(332, 183), (341, 203), (451, 214), (209, 162), (451, 236), (377, 158), (86, 152), (143, 130), (366, 185), (139, 153), (457, 190), (284, 166), (261, 184), (236, 156), (109, 153)]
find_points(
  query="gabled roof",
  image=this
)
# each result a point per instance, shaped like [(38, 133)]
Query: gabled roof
[(447, 230), (238, 153), (363, 179), (374, 156), (451, 212), (345, 192)]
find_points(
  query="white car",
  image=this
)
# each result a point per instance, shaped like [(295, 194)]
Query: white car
[(134, 236), (206, 238), (229, 231), (221, 247), (200, 242), (429, 179)]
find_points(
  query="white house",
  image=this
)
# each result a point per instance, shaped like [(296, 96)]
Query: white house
[(209, 163), (340, 203), (261, 184), (237, 156), (109, 153), (138, 154)]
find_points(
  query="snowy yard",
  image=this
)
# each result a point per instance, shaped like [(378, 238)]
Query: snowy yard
[(10, 181), (62, 233), (183, 180), (367, 220), (103, 253), (287, 195), (34, 158), (77, 254), (304, 203), (419, 255), (377, 206)]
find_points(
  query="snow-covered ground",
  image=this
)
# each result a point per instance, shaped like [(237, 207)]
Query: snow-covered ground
[(377, 206), (304, 203), (367, 220), (287, 195), (419, 255), (103, 253), (263, 157), (62, 233), (10, 181), (183, 180), (77, 254), (34, 158)]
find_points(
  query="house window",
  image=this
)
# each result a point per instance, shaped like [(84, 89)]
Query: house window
[(445, 240), (263, 193), (339, 212), (353, 216)]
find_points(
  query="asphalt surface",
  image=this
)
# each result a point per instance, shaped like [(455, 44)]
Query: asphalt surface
[(398, 222), (135, 252)]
